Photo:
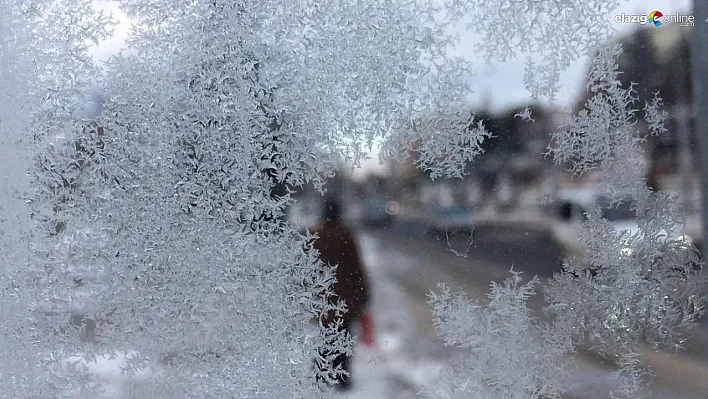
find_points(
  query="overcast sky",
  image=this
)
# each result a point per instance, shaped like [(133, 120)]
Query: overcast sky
[(500, 85)]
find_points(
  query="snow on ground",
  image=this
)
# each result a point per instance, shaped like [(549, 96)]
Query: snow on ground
[(396, 367), (404, 359), (400, 363), (109, 370)]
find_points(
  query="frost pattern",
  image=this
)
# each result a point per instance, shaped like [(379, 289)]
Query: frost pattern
[(161, 221), (442, 150), (552, 33), (44, 65), (624, 290), (602, 135), (159, 224), (525, 115), (505, 352)]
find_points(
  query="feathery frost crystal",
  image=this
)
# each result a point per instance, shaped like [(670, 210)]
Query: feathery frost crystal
[(158, 226)]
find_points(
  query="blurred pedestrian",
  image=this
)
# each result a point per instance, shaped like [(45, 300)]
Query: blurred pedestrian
[(653, 178), (337, 246)]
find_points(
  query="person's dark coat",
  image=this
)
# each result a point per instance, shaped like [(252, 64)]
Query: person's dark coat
[(337, 246)]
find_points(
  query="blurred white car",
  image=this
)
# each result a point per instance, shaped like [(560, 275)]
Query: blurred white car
[(452, 219), (571, 207)]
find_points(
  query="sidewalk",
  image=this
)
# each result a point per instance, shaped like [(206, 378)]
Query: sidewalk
[(681, 374), (678, 377)]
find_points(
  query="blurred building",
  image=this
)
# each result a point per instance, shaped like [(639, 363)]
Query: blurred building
[(511, 164), (658, 61)]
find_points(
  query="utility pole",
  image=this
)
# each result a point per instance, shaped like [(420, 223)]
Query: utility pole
[(683, 114), (699, 63)]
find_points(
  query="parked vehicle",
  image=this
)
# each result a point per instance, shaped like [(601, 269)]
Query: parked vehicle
[(378, 212), (572, 206), (451, 219)]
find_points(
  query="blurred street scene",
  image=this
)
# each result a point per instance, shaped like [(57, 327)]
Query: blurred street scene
[(406, 259), (514, 208)]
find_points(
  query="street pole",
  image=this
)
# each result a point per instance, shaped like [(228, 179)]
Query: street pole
[(682, 116), (699, 63)]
